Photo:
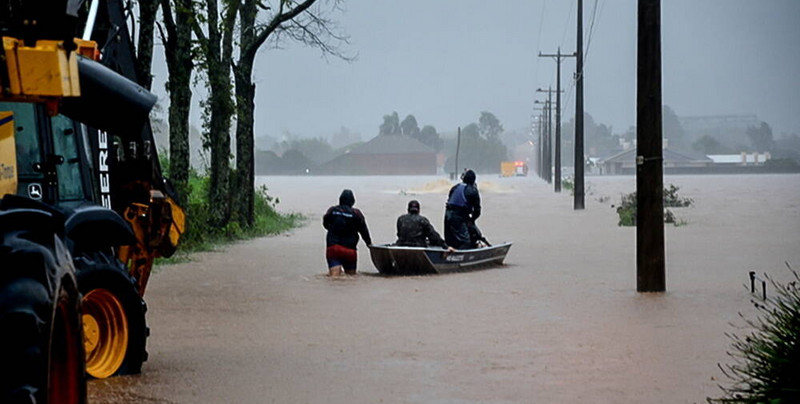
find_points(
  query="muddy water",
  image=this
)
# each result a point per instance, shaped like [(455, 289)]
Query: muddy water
[(258, 322)]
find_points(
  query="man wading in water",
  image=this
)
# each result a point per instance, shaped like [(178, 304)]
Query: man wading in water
[(344, 223)]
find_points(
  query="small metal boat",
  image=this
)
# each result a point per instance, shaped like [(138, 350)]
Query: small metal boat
[(391, 259)]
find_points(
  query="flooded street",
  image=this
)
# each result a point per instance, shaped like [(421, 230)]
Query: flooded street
[(258, 322)]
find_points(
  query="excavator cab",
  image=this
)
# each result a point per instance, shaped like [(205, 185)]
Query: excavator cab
[(51, 157)]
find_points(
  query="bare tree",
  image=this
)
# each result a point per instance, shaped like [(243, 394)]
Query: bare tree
[(290, 20)]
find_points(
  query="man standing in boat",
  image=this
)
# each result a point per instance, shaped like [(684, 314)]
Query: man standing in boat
[(462, 209), (344, 223), (415, 230)]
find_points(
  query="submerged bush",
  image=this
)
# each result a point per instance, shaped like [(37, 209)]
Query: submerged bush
[(766, 363), (672, 200), (627, 207)]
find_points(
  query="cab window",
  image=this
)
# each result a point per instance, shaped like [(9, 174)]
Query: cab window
[(27, 141), (65, 144)]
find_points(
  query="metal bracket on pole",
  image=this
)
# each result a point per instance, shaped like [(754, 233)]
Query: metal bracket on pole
[(753, 279)]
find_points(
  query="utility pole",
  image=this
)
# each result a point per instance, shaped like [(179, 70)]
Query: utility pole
[(539, 149), (557, 165), (558, 56), (458, 146), (579, 163), (650, 273), (542, 142), (548, 139)]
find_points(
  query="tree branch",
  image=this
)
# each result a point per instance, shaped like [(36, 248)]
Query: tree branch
[(279, 19)]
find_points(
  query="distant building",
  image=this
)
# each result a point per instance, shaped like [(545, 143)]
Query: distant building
[(624, 162), (742, 159), (384, 155)]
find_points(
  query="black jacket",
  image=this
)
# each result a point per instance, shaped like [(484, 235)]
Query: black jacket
[(344, 223), (415, 230)]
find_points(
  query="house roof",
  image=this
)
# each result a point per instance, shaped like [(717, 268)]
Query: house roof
[(749, 158), (628, 156), (392, 144)]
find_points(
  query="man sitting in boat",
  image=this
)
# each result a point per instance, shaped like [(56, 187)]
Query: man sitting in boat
[(414, 230), (463, 209)]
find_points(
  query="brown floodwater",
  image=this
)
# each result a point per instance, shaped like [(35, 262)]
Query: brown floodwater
[(258, 322)]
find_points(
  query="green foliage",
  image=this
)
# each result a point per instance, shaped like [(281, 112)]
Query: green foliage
[(201, 236), (627, 210), (409, 126), (672, 129), (489, 126), (673, 200), (470, 131), (766, 363), (761, 137), (568, 184), (782, 163), (597, 138), (430, 137), (627, 207), (481, 148), (390, 125), (317, 149)]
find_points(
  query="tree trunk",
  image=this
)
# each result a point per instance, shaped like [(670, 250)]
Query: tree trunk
[(219, 48), (177, 46), (245, 116), (245, 163), (144, 57)]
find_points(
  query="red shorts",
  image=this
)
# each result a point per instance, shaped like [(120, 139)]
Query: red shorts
[(340, 255)]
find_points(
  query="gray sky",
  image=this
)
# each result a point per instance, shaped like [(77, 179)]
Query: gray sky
[(445, 61)]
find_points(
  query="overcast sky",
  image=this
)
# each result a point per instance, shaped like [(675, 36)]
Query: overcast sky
[(445, 61)]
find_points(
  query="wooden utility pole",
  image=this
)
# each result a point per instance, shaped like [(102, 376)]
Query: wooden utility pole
[(548, 138), (458, 147), (579, 163), (650, 276), (557, 152), (540, 144), (549, 106)]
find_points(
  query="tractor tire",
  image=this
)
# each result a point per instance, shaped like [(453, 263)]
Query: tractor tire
[(41, 345), (115, 331)]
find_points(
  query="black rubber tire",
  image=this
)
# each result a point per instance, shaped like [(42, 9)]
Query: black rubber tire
[(101, 271), (41, 342)]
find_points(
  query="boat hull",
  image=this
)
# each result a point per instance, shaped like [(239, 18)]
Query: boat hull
[(396, 260)]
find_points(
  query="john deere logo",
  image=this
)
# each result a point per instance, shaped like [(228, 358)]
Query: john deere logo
[(35, 191)]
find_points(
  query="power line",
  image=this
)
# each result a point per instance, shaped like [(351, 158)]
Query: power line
[(567, 24), (539, 44), (591, 29)]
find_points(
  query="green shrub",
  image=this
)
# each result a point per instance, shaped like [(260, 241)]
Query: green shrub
[(627, 210), (766, 363), (627, 207), (200, 236), (568, 184), (672, 200)]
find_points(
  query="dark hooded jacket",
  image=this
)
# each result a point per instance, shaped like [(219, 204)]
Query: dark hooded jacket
[(464, 198), (344, 223), (415, 230)]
